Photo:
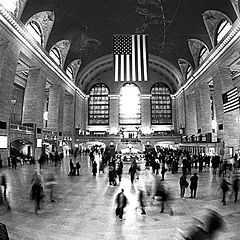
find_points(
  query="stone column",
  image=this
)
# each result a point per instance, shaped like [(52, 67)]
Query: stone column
[(203, 108), (9, 54), (68, 115), (174, 117), (80, 115), (229, 136), (33, 105), (191, 118), (113, 114), (146, 113), (180, 103), (56, 107), (34, 98)]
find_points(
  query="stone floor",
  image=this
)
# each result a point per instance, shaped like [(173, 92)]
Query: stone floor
[(84, 207)]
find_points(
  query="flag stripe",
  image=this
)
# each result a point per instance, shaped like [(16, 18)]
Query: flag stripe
[(144, 59), (230, 100), (139, 58), (116, 67)]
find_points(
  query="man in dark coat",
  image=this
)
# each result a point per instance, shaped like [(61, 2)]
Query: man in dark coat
[(193, 185), (121, 201)]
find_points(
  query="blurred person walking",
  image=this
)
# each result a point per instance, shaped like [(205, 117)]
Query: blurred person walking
[(94, 168), (183, 185), (225, 188), (132, 171), (51, 181), (121, 201), (3, 195), (36, 190), (235, 187)]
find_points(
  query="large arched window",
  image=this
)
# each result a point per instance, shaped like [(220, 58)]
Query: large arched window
[(98, 105), (35, 30), (223, 28), (130, 105), (55, 55), (161, 104), (203, 54), (69, 72)]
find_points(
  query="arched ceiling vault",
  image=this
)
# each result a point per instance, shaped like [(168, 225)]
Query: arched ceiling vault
[(105, 63), (90, 25)]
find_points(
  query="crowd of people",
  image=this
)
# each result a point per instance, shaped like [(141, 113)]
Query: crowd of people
[(149, 177)]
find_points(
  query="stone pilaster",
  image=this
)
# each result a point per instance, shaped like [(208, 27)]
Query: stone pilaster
[(33, 104), (9, 54), (174, 116), (114, 114), (68, 115), (203, 108), (191, 119), (222, 83), (146, 113), (34, 98), (56, 107), (80, 117)]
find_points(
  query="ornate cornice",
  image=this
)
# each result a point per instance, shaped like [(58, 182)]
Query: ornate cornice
[(232, 36), (18, 30)]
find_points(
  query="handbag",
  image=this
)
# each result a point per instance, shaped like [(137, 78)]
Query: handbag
[(186, 184)]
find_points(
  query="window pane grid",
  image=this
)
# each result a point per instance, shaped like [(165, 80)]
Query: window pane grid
[(98, 105), (161, 105)]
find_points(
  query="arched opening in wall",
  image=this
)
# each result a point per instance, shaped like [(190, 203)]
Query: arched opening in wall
[(222, 30), (161, 104), (98, 105), (130, 105), (21, 148), (69, 72), (35, 30), (55, 55), (202, 55)]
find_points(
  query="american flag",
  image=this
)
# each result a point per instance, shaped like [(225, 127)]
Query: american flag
[(130, 57), (230, 100)]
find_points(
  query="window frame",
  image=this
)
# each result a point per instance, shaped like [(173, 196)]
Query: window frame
[(37, 29), (58, 55), (155, 104), (224, 25), (189, 72), (139, 118), (202, 55), (95, 95), (71, 72)]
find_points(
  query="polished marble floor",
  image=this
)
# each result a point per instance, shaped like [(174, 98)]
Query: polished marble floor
[(84, 207)]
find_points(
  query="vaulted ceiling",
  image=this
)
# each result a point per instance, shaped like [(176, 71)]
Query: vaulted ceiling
[(90, 24)]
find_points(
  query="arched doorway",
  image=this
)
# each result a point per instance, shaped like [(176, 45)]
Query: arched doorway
[(20, 147)]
